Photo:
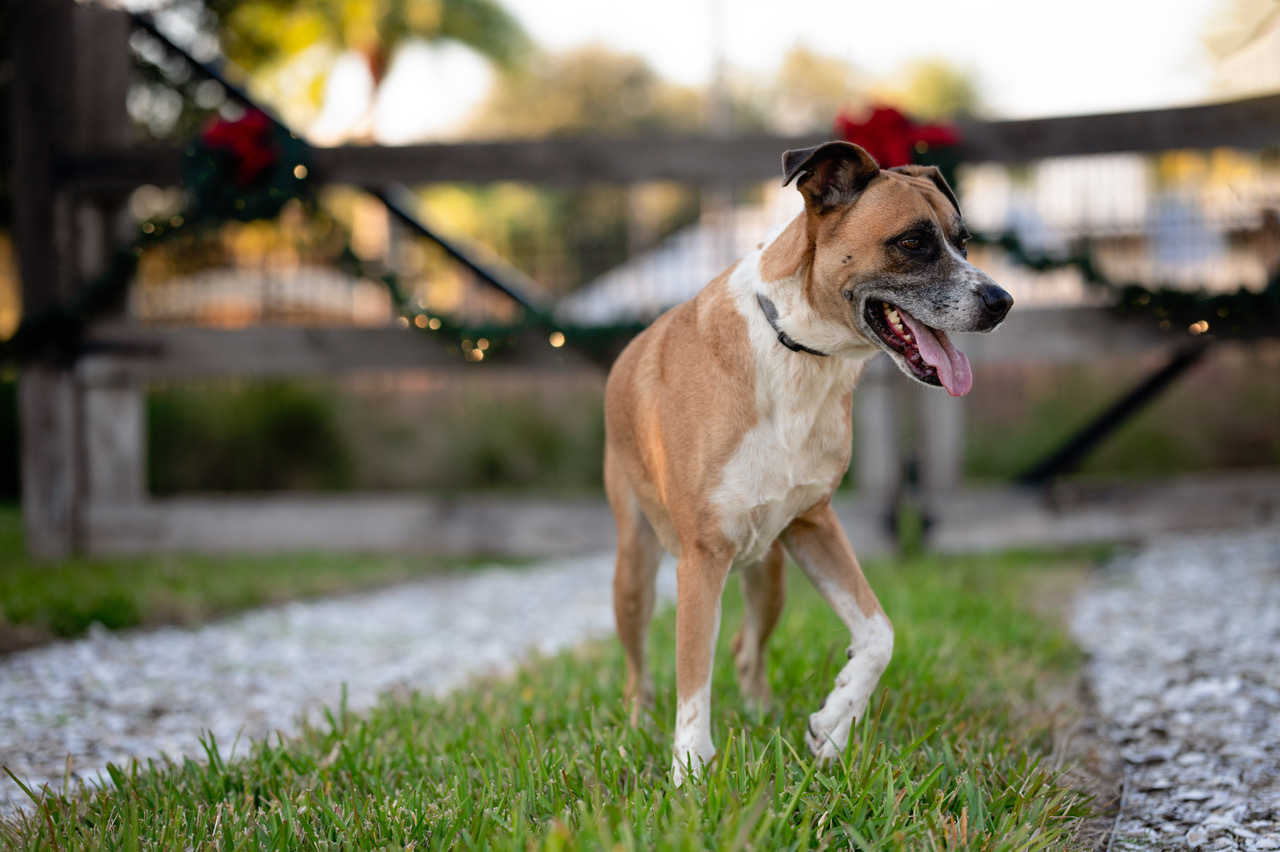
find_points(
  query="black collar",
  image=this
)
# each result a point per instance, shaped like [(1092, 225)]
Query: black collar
[(771, 314)]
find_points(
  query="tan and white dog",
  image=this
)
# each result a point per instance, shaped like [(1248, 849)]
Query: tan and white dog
[(729, 425)]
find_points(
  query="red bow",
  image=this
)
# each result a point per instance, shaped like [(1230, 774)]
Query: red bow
[(892, 138), (248, 141)]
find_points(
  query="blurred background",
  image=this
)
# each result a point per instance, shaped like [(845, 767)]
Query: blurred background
[(207, 372)]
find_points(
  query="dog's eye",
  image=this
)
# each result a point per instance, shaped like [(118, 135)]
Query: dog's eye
[(911, 243)]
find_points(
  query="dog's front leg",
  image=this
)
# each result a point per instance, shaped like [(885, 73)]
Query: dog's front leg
[(700, 577), (818, 544)]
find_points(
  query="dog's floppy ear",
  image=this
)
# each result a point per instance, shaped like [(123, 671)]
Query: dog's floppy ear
[(933, 174), (829, 174)]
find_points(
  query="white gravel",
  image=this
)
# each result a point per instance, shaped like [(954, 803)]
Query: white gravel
[(116, 696), (1184, 644)]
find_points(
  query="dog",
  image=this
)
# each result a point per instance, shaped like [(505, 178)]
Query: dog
[(728, 425)]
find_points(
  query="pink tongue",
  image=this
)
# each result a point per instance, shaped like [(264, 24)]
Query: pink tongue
[(936, 349)]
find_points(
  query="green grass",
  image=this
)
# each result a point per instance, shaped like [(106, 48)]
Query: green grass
[(952, 757), (40, 601)]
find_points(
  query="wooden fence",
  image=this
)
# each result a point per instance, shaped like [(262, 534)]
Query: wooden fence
[(83, 423)]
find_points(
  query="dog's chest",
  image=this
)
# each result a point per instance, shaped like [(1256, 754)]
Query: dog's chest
[(788, 461)]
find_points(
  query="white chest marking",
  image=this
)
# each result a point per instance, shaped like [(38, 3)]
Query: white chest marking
[(792, 456)]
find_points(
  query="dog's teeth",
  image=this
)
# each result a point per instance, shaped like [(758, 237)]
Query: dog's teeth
[(895, 321)]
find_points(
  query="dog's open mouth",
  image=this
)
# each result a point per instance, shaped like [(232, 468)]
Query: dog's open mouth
[(927, 352)]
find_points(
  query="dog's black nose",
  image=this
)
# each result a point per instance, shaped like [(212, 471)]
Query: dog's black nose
[(996, 300)]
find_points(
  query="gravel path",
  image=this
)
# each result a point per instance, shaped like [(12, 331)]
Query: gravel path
[(112, 697), (1184, 645)]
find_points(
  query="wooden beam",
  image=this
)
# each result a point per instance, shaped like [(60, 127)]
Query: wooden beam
[(1250, 124), (567, 161), (121, 354), (360, 523), (570, 161), (386, 523)]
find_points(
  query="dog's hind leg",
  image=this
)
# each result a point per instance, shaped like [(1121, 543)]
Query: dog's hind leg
[(636, 571), (816, 541), (762, 596)]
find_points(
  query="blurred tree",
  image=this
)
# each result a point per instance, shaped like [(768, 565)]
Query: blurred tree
[(808, 92), (565, 237), (932, 90), (1235, 22), (255, 33), (291, 49), (588, 90), (1242, 38)]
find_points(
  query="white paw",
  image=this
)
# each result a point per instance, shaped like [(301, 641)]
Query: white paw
[(826, 741), (689, 764)]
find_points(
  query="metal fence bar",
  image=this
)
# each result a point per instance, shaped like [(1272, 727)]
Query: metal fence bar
[(1077, 447), (502, 277)]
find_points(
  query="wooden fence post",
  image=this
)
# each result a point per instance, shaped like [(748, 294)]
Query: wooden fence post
[(879, 462), (939, 441), (66, 76), (40, 44), (112, 427)]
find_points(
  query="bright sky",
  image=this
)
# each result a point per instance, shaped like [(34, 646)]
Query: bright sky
[(1031, 57)]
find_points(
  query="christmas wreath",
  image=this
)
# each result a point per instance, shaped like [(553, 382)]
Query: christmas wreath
[(893, 139), (244, 169)]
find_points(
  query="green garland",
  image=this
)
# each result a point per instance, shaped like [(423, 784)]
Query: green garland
[(57, 332), (1243, 314), (474, 343), (244, 170)]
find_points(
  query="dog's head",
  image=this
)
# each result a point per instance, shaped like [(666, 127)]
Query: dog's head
[(888, 260)]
